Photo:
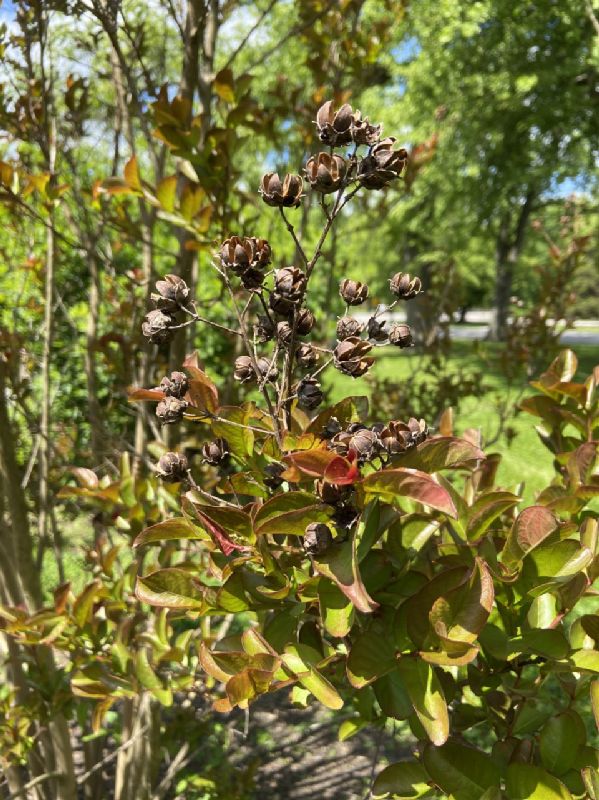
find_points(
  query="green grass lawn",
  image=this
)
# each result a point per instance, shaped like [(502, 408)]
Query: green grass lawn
[(524, 458)]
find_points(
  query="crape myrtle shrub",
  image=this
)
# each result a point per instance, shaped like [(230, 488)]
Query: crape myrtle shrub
[(377, 565), (375, 578)]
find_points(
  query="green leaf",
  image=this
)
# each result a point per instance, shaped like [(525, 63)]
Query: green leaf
[(461, 771), (395, 484), (392, 696), (532, 526), (486, 509), (461, 614), (171, 588), (371, 656), (224, 85), (349, 727), (547, 643), (526, 782), (83, 605), (240, 440), (166, 193), (442, 452), (404, 780), (290, 513), (149, 680), (426, 695), (336, 610), (560, 740), (311, 679), (168, 530), (586, 660), (590, 776), (339, 564)]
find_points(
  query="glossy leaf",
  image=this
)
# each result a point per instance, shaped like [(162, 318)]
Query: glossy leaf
[(394, 484), (290, 513), (170, 588), (371, 656), (339, 564), (168, 530), (336, 610), (404, 780), (531, 528), (461, 771), (527, 782), (560, 740), (461, 614), (425, 693)]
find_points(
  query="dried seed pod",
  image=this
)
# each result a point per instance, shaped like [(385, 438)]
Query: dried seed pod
[(340, 443), (354, 293), (309, 394), (244, 369), (171, 293), (345, 516), (252, 279), (365, 443), (284, 333), (317, 538), (377, 329), (240, 253), (401, 336), (326, 172), (290, 282), (382, 165), (273, 472), (267, 369), (304, 321), (347, 327), (306, 356), (170, 410), (363, 132), (397, 437), (286, 194), (172, 467), (405, 287), (264, 329), (175, 385), (332, 428), (350, 356), (216, 452), (157, 326), (331, 494), (334, 127)]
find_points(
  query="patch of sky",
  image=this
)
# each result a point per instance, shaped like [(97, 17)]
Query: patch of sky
[(406, 50)]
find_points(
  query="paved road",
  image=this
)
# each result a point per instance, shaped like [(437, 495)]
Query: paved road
[(482, 318)]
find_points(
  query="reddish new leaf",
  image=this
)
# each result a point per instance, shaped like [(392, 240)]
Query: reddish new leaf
[(394, 484), (134, 394)]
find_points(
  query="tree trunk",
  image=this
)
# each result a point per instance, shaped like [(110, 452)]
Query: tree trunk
[(507, 252)]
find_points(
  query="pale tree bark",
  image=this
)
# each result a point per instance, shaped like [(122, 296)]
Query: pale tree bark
[(510, 241)]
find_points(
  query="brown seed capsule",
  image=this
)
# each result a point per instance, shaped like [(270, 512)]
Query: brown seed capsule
[(304, 322), (287, 194), (350, 357), (405, 287), (244, 370), (377, 329), (309, 394), (397, 437), (157, 326), (264, 329), (216, 452), (340, 443), (252, 279), (365, 443), (284, 333), (290, 282), (332, 428), (172, 467), (325, 172), (345, 515), (401, 336), (272, 473), (331, 494), (382, 165), (170, 410), (267, 369), (348, 326), (306, 356), (334, 127), (353, 292), (171, 293), (240, 253), (317, 538), (362, 132), (175, 385)]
